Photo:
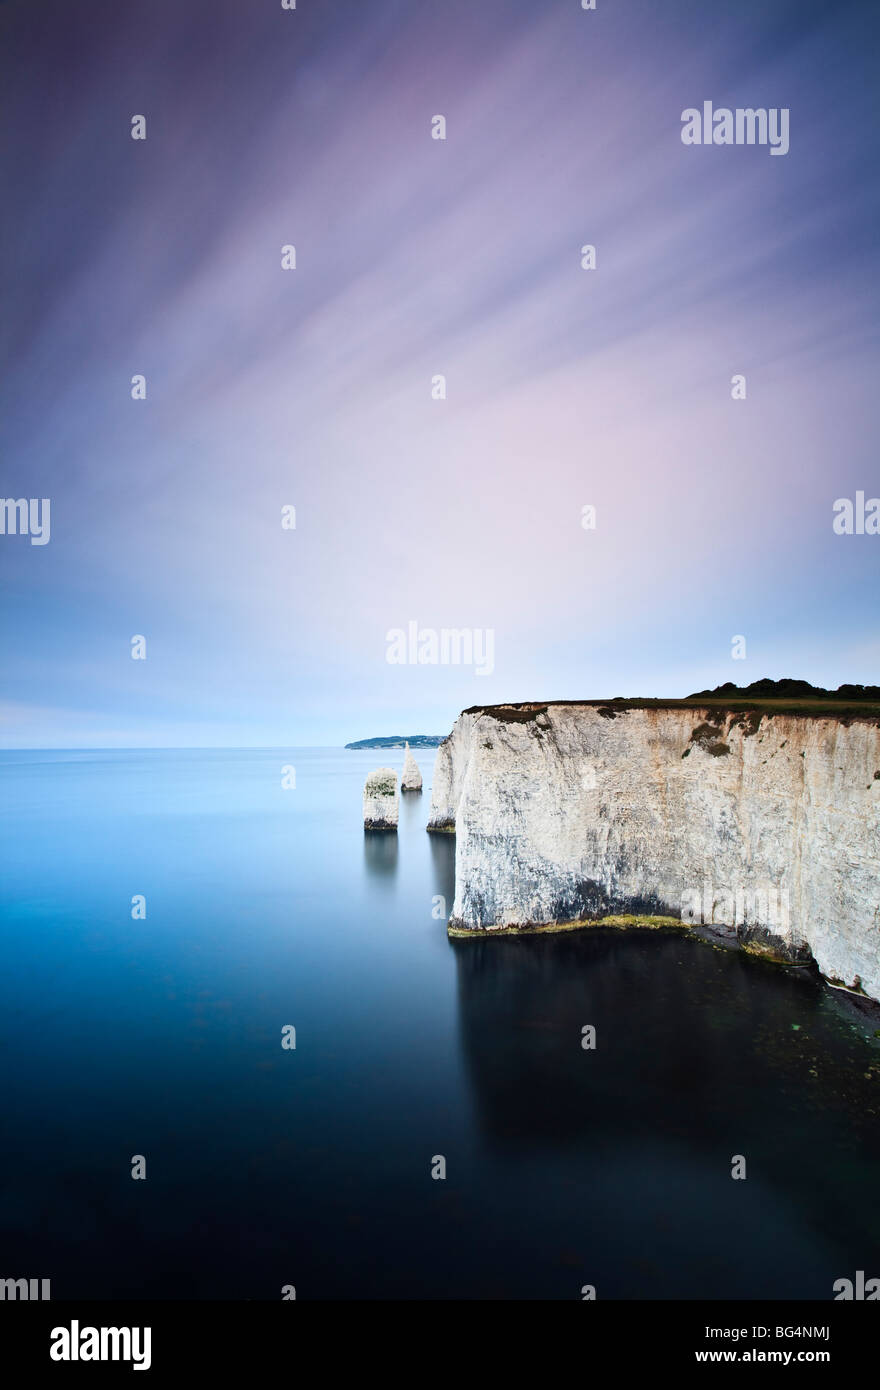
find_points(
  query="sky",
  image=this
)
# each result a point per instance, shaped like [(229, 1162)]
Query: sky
[(313, 387)]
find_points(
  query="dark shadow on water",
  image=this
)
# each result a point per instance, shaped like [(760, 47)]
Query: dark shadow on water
[(687, 1038), (380, 854), (700, 1055), (443, 865)]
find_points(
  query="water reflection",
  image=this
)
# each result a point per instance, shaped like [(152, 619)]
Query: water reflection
[(413, 808), (380, 855), (700, 1055), (687, 1039), (443, 865)]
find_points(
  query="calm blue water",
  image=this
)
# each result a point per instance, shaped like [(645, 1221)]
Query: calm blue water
[(311, 1167)]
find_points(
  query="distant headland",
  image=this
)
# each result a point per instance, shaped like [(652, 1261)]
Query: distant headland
[(399, 741)]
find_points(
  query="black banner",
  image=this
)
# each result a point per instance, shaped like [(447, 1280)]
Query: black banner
[(67, 1339)]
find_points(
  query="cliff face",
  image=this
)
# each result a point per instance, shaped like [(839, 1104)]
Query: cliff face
[(767, 824)]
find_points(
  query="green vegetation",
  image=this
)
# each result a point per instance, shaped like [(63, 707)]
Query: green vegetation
[(707, 736), (381, 783), (621, 922), (765, 951), (748, 704)]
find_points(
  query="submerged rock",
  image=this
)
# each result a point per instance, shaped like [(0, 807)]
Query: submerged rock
[(380, 800), (411, 781)]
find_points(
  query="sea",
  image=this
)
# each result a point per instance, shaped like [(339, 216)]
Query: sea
[(241, 1056)]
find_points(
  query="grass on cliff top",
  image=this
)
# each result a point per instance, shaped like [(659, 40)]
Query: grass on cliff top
[(764, 697), (382, 782), (823, 707)]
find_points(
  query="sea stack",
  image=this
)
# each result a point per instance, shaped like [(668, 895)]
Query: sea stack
[(411, 781), (380, 800)]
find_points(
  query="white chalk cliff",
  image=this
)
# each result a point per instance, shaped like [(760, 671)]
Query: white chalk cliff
[(380, 800), (411, 780), (767, 824)]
